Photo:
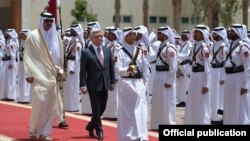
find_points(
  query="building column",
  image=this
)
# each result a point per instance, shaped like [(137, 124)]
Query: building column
[(15, 13)]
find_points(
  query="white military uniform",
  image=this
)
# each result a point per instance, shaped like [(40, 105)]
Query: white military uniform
[(219, 50), (182, 83), (154, 47), (132, 108), (111, 110), (144, 43), (198, 105), (24, 91), (71, 85), (9, 75), (145, 50), (163, 110), (236, 106)]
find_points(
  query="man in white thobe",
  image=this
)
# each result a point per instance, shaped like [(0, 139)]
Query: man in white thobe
[(142, 41), (182, 83), (218, 50), (237, 79), (90, 26), (9, 74), (71, 85), (154, 47), (163, 109), (132, 66), (111, 110), (23, 86), (43, 63), (198, 105)]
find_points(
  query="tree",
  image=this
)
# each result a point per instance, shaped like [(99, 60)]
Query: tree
[(117, 13), (200, 10), (145, 12), (177, 14), (80, 12), (213, 13), (245, 5), (228, 8)]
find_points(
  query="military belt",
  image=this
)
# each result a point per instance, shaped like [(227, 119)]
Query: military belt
[(217, 65), (198, 69), (232, 70), (161, 68)]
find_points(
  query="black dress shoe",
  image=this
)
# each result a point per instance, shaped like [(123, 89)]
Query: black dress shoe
[(91, 131), (213, 122), (8, 99), (182, 104), (100, 135), (63, 125)]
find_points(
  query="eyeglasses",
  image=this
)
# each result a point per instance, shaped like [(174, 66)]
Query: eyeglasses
[(48, 21)]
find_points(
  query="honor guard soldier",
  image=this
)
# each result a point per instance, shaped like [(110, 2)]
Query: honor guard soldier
[(10, 62), (182, 83), (198, 105), (219, 49), (237, 69), (90, 26), (163, 109), (23, 86), (132, 66), (73, 55), (111, 112)]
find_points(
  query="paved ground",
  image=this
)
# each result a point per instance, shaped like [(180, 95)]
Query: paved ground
[(179, 119), (179, 113)]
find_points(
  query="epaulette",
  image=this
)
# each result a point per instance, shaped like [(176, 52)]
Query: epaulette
[(171, 45), (242, 43), (118, 46), (204, 44), (77, 40), (223, 44), (138, 47)]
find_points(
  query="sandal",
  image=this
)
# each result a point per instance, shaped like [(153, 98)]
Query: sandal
[(45, 138)]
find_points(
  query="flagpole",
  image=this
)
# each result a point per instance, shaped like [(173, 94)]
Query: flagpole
[(60, 15)]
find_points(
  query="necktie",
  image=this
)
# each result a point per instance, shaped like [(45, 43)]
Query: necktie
[(100, 55)]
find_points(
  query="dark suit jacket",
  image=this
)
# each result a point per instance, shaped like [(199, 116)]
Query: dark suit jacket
[(92, 74)]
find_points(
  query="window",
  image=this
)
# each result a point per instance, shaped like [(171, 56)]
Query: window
[(162, 19), (184, 20), (195, 20), (152, 19), (127, 19)]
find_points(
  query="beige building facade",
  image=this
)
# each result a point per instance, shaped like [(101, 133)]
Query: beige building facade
[(20, 14)]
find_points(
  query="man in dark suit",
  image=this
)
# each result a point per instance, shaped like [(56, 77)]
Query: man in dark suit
[(96, 77)]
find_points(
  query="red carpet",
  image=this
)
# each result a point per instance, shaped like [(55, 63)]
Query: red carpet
[(14, 123)]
